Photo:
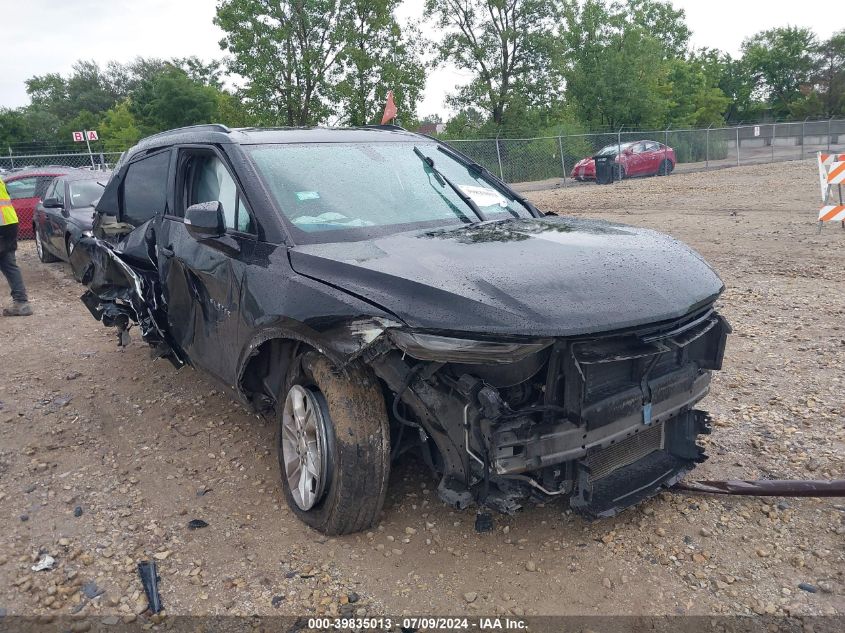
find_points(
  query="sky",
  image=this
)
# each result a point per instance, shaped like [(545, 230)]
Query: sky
[(43, 36)]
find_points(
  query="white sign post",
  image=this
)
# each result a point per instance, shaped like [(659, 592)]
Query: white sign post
[(87, 136)]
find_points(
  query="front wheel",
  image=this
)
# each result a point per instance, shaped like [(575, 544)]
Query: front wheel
[(666, 167), (45, 256), (333, 445)]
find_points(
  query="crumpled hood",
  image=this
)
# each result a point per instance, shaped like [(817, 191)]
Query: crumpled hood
[(537, 277)]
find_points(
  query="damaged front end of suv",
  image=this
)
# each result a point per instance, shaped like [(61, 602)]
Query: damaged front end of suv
[(375, 292), (606, 420)]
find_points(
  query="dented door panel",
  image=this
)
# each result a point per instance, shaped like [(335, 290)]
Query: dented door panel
[(202, 285)]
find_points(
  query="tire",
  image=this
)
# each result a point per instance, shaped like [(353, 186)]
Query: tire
[(44, 255), (666, 168), (353, 433)]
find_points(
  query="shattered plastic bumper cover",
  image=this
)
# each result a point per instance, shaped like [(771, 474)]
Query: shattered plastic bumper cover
[(118, 295)]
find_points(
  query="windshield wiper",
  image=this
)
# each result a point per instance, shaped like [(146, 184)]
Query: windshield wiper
[(443, 180), (500, 186)]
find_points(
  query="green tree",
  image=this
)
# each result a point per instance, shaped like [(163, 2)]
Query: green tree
[(615, 72), (378, 57), (736, 81), (207, 73), (30, 125), (48, 92), (172, 99), (781, 61), (830, 76), (308, 61), (232, 112), (466, 123), (695, 99), (12, 127), (508, 45), (628, 65), (287, 50), (87, 88), (119, 130), (662, 21)]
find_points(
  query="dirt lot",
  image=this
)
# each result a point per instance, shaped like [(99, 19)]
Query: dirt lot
[(106, 456)]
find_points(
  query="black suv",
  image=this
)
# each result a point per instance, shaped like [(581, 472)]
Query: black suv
[(378, 292)]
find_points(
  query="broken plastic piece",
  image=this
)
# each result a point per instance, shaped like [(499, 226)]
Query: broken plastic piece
[(768, 487), (45, 564), (91, 590), (483, 522), (196, 524), (149, 579)]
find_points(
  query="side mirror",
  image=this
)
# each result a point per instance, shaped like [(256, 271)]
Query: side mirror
[(627, 151), (205, 219), (51, 203)]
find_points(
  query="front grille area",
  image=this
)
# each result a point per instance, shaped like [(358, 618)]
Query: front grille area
[(609, 378), (603, 462)]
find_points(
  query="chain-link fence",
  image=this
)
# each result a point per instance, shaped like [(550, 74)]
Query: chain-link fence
[(550, 161), (95, 160)]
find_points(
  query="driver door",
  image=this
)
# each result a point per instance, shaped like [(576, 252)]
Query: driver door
[(55, 233), (635, 160), (202, 276)]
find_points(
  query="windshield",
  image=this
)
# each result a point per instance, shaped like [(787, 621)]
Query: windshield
[(85, 193), (333, 192), (610, 150)]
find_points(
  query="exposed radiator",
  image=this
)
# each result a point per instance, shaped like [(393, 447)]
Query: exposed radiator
[(603, 462)]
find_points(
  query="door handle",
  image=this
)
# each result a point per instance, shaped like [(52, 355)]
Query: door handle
[(166, 252)]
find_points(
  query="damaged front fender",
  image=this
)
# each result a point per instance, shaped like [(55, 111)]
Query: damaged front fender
[(119, 295)]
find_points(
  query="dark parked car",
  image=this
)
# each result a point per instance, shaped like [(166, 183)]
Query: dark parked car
[(26, 188), (66, 213), (639, 158), (376, 291)]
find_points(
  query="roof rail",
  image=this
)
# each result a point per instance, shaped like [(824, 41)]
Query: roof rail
[(209, 127), (385, 126)]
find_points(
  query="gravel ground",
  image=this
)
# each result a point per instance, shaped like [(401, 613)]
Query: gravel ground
[(105, 456)]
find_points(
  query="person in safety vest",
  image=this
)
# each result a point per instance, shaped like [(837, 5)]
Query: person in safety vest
[(8, 264)]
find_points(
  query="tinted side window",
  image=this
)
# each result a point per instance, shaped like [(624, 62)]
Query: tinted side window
[(51, 190), (145, 189)]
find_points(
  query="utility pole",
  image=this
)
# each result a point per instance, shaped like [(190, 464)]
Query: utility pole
[(88, 144)]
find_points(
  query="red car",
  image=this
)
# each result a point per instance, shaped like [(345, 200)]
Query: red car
[(26, 188), (638, 158)]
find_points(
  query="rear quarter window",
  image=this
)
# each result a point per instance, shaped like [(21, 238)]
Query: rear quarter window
[(22, 188), (145, 189)]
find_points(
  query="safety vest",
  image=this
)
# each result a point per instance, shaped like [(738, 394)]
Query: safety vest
[(7, 211)]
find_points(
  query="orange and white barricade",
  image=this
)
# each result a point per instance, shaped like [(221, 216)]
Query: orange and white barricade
[(831, 175)]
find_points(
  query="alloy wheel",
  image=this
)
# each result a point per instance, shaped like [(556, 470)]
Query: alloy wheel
[(305, 454)]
